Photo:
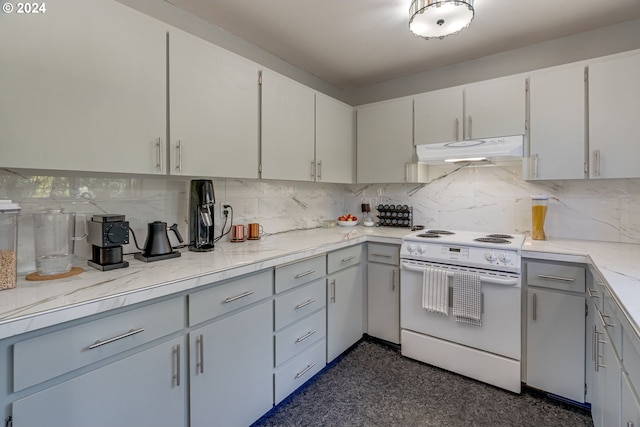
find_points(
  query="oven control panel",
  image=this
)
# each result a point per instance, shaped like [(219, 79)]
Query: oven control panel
[(497, 259)]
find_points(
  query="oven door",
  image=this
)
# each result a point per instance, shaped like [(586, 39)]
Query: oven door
[(501, 309)]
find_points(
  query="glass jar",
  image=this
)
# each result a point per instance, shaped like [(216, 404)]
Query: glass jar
[(9, 212), (538, 214)]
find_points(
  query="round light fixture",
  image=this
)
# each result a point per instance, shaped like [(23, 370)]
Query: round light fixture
[(439, 18)]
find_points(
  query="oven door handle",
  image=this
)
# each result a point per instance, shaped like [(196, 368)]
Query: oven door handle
[(485, 279)]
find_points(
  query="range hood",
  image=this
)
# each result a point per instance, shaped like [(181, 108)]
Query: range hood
[(471, 150)]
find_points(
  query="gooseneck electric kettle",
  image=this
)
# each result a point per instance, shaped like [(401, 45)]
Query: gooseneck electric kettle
[(157, 245)]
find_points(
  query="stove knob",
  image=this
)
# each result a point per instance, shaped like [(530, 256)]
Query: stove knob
[(505, 257), (490, 256), (411, 247), (422, 249)]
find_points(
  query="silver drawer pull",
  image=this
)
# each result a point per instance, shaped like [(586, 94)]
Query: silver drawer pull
[(100, 343), (305, 370), (176, 372), (245, 294), (561, 279), (305, 336), (351, 258), (382, 255), (306, 273), (603, 318), (593, 293), (304, 304)]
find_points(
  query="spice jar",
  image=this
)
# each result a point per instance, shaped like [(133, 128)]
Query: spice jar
[(9, 212), (538, 215)]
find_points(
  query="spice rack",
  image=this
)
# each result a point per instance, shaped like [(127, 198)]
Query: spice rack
[(395, 215)]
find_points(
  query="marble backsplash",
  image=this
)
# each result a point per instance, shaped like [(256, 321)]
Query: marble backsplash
[(483, 198)]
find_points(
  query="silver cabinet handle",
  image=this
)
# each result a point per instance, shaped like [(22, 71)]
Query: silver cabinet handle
[(200, 354), (176, 372), (604, 322), (559, 278), (179, 156), (457, 124), (351, 258), (535, 165), (593, 293), (305, 336), (594, 339), (313, 170), (333, 290), (304, 304), (534, 308), (393, 280), (242, 295), (629, 423), (100, 343), (596, 163), (382, 255), (305, 370), (319, 171), (306, 273), (159, 154), (470, 133)]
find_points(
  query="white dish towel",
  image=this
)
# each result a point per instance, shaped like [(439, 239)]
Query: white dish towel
[(435, 291), (467, 298)]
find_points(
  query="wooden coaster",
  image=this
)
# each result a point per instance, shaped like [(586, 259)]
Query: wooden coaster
[(35, 276)]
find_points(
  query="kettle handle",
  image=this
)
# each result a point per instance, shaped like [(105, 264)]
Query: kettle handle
[(174, 228)]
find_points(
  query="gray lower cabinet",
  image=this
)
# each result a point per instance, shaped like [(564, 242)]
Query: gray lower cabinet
[(345, 300), (231, 353), (555, 344), (145, 389), (383, 292)]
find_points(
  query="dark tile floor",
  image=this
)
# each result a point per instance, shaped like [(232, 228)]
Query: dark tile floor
[(374, 385)]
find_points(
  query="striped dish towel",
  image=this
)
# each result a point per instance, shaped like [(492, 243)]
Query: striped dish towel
[(435, 291), (467, 298)]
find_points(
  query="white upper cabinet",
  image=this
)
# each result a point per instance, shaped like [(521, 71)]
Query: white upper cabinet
[(614, 108), (557, 139), (214, 112), (385, 141), (439, 116), (495, 108), (335, 141), (288, 129), (83, 88)]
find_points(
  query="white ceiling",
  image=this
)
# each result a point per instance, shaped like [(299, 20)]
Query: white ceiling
[(355, 43)]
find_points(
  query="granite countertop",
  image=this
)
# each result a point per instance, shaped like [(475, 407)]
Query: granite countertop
[(34, 305)]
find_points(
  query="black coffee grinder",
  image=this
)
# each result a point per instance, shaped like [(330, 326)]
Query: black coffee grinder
[(107, 234), (201, 203)]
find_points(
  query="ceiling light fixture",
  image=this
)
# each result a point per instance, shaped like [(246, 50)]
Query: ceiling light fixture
[(439, 18)]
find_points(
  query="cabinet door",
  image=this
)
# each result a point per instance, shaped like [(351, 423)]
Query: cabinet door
[(555, 343), (438, 116), (385, 141), (83, 88), (606, 406), (344, 310), (232, 368), (495, 108), (614, 108), (288, 134), (383, 302), (145, 389), (557, 124), (630, 411), (335, 142), (214, 110)]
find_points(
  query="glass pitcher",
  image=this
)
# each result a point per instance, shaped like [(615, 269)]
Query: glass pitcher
[(54, 238)]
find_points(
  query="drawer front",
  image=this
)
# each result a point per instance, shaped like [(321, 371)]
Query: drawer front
[(300, 370), (41, 358), (291, 275), (300, 336), (385, 254), (300, 302), (611, 320), (225, 298), (343, 258), (556, 276)]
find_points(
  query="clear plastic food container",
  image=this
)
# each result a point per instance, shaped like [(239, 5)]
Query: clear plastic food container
[(538, 214), (9, 212)]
